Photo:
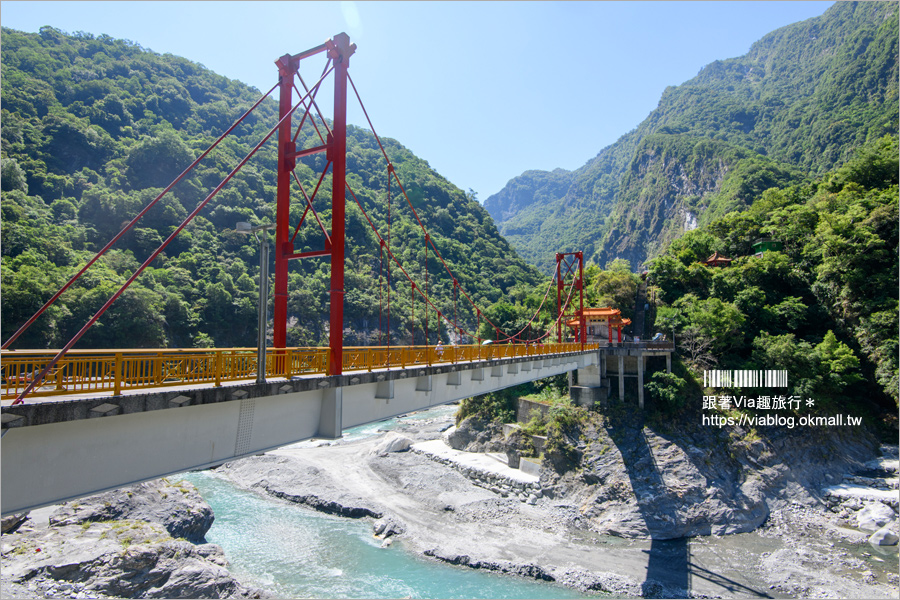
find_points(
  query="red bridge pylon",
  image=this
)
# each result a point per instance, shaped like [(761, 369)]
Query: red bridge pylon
[(338, 50)]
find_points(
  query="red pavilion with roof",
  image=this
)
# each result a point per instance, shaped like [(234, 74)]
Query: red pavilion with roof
[(717, 260), (600, 323)]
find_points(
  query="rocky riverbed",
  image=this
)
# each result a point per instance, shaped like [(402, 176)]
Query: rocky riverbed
[(144, 541), (650, 514), (645, 512)]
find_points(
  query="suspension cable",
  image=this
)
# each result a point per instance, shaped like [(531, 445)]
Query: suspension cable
[(312, 103), (406, 196), (309, 205), (36, 381), (389, 262), (132, 223)]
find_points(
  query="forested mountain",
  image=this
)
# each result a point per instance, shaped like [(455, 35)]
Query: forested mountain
[(796, 105), (94, 127), (824, 307)]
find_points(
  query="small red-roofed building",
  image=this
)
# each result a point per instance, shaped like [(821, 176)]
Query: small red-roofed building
[(717, 260), (600, 323)]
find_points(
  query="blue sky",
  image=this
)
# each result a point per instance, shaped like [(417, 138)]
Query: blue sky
[(481, 90)]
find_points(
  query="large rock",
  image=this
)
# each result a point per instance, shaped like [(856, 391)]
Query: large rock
[(176, 506), (873, 516), (392, 442), (10, 522), (885, 536), (463, 434), (475, 434), (386, 527), (300, 483), (124, 558)]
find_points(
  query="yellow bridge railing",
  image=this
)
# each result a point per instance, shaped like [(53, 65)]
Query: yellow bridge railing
[(115, 371)]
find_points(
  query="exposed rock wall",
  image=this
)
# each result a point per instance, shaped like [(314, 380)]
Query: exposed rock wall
[(636, 481)]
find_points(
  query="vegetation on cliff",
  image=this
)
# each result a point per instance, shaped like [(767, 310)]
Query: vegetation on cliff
[(824, 308)]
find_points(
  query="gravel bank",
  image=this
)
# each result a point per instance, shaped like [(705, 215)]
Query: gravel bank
[(453, 513)]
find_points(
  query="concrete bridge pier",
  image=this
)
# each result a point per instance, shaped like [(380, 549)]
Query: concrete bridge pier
[(593, 381), (621, 378), (592, 387)]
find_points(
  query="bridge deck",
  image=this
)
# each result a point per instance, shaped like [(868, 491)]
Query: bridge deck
[(55, 450)]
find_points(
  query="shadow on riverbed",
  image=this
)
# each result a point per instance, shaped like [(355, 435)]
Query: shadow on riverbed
[(669, 567)]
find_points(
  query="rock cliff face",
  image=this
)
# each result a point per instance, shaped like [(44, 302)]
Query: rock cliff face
[(528, 188), (122, 544), (475, 434), (636, 481), (632, 479)]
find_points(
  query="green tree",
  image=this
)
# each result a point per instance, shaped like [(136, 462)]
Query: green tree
[(157, 161)]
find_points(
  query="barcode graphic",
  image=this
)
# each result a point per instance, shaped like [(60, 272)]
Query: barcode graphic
[(745, 378)]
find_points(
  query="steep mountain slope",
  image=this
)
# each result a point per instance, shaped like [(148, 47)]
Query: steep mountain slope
[(94, 128), (804, 96)]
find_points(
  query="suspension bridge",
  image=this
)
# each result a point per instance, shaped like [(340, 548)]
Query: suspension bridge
[(76, 422)]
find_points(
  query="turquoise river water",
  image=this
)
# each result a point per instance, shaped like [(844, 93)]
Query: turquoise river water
[(295, 552)]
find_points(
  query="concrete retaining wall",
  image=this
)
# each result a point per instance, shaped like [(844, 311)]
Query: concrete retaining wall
[(494, 482), (523, 414)]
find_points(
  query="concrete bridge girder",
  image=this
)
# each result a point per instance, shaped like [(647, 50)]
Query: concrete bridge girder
[(58, 451)]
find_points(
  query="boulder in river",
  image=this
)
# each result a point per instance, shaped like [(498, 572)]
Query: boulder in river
[(392, 442), (873, 516), (122, 544), (885, 536)]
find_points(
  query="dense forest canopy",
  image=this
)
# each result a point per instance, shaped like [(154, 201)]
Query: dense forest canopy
[(825, 307), (95, 127)]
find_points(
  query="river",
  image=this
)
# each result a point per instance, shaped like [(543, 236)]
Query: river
[(295, 552)]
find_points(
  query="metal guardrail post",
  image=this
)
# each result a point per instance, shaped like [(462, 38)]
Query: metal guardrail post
[(218, 367), (117, 386)]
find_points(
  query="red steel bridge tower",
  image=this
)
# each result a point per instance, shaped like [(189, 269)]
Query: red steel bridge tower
[(339, 50), (566, 263)]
